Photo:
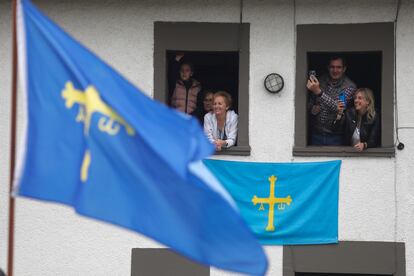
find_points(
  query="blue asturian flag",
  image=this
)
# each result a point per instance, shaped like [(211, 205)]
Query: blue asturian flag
[(284, 203), (95, 142)]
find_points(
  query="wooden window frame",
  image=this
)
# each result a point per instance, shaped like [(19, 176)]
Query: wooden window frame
[(362, 257), (345, 38), (196, 36)]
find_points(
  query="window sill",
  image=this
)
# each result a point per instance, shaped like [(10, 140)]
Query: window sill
[(340, 151), (237, 150)]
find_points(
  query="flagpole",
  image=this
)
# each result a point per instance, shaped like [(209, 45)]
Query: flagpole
[(10, 254)]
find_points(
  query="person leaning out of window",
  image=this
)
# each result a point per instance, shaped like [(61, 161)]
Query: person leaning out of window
[(361, 123), (220, 125)]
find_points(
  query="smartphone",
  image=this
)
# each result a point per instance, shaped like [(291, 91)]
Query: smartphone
[(312, 75), (342, 98)]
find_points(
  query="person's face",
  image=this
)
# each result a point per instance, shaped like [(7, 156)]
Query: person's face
[(219, 107), (185, 72), (336, 69), (208, 102), (361, 104)]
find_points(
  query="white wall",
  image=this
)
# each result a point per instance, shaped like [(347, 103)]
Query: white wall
[(5, 75), (51, 239)]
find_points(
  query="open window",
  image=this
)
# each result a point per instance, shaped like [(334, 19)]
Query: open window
[(219, 53), (368, 50)]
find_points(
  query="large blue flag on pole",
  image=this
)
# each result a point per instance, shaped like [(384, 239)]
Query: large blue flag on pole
[(284, 203), (95, 142)]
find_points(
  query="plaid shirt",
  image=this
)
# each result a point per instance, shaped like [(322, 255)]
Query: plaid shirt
[(322, 122)]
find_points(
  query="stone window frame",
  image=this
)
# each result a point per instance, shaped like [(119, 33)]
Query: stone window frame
[(209, 37), (359, 257), (363, 37), (164, 261)]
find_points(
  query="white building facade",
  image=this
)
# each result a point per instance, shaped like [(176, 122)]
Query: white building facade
[(376, 201)]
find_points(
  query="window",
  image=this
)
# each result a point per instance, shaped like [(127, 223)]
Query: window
[(369, 52), (337, 274), (163, 261), (345, 258), (220, 55)]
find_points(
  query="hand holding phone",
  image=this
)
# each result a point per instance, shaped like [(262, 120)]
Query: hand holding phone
[(342, 98), (312, 75)]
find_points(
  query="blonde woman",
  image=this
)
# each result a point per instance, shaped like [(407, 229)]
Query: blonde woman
[(220, 125), (361, 123)]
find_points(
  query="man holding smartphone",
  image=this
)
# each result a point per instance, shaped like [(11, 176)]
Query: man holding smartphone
[(327, 93)]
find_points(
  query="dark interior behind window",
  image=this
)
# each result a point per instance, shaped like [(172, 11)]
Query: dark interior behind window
[(214, 70)]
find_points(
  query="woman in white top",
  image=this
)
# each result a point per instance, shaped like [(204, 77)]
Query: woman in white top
[(220, 125)]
